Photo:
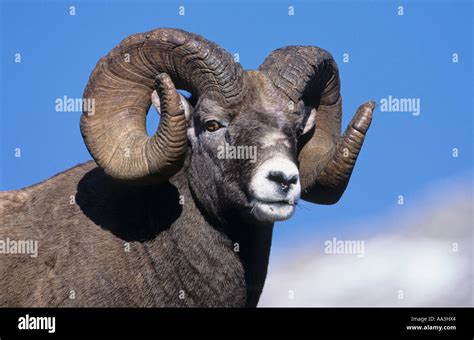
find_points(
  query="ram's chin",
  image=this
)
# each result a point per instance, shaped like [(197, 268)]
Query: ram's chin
[(272, 212)]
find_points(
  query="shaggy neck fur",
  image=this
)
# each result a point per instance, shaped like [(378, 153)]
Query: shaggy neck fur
[(250, 241)]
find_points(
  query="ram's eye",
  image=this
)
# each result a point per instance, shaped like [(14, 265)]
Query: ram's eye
[(213, 125), (299, 131)]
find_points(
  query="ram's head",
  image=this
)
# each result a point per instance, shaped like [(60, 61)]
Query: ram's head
[(253, 141)]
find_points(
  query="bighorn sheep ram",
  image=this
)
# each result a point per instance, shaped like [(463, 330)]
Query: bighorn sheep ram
[(163, 220)]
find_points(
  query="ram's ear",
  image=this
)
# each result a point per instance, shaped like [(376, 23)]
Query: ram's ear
[(309, 120), (188, 108), (188, 112)]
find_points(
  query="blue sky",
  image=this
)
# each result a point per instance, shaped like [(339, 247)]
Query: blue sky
[(403, 56)]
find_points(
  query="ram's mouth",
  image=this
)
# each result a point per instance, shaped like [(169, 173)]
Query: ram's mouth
[(271, 211), (277, 203)]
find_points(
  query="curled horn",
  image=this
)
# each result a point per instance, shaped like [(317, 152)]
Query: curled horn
[(121, 86), (326, 159)]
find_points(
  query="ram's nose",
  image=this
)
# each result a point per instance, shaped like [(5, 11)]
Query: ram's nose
[(284, 179), (277, 179)]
